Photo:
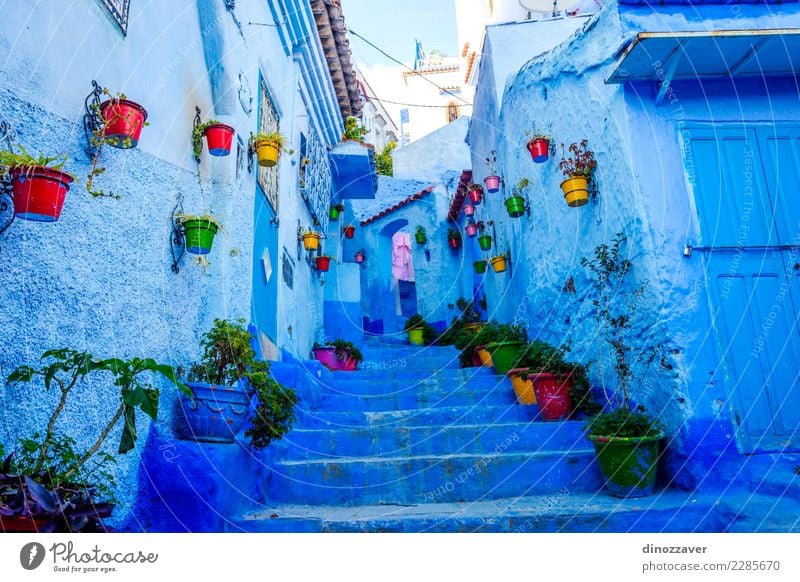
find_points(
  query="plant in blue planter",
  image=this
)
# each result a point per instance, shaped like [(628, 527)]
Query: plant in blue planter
[(223, 384)]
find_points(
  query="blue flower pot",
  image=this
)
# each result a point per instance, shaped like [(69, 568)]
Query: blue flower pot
[(216, 414)]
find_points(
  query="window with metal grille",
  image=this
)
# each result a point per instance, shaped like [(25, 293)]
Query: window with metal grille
[(315, 177), (267, 123), (118, 9), (452, 112)]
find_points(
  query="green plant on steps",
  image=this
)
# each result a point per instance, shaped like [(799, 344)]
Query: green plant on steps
[(467, 315), (227, 358)]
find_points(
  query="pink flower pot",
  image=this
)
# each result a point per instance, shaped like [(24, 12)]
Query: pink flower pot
[(469, 210), (327, 357), (472, 230), (492, 183)]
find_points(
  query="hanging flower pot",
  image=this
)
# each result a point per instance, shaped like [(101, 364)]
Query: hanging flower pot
[(552, 394), (576, 191), (499, 264), (268, 153), (215, 414), (220, 139), (485, 242), (454, 238), (334, 212), (515, 206), (471, 229), (539, 147), (310, 240), (359, 256), (475, 194), (469, 210), (420, 236), (323, 263), (349, 231), (492, 184), (123, 121), (480, 267), (39, 192), (199, 232)]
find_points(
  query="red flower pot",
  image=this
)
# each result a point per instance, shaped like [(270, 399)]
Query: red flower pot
[(469, 210), (359, 257), (39, 192), (349, 364), (123, 122), (476, 359), (492, 184), (350, 231), (472, 230), (552, 394), (475, 196), (220, 139), (323, 263), (21, 524), (455, 243), (327, 357), (539, 149)]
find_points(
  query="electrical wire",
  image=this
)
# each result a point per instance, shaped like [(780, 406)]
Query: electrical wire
[(411, 104), (387, 55)]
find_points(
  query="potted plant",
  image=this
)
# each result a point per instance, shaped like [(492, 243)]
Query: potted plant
[(484, 240), (418, 330), (199, 232), (516, 203), (335, 211), (473, 346), (626, 439), (507, 347), (454, 238), (349, 231), (268, 147), (323, 263), (539, 147), (49, 485), (480, 266), (123, 121), (420, 235), (471, 229), (338, 355), (310, 240), (492, 181), (578, 169), (499, 263), (218, 135), (463, 326), (475, 193), (360, 255), (39, 186), (353, 130), (469, 210)]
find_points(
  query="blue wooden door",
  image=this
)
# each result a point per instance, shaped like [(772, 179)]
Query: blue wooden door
[(745, 179)]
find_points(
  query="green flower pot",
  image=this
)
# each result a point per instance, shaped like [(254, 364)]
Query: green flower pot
[(480, 267), (485, 242), (421, 239), (199, 236), (415, 337), (515, 206), (334, 213), (505, 355), (628, 463)]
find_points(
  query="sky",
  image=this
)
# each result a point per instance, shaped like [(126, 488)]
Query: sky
[(394, 24)]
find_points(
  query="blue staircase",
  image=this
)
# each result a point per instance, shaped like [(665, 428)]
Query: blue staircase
[(413, 443)]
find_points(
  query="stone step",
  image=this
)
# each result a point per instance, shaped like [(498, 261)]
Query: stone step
[(441, 416), (561, 511), (371, 381), (420, 441), (431, 479)]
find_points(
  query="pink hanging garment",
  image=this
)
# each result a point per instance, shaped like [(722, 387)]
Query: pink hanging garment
[(402, 263)]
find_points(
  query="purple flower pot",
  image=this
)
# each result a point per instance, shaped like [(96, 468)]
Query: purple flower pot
[(492, 183)]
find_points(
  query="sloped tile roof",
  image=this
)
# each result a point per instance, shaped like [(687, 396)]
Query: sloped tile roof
[(413, 198)]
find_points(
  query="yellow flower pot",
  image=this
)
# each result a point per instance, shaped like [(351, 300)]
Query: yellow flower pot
[(499, 264), (523, 387), (485, 356), (310, 241), (415, 336), (576, 191), (267, 152)]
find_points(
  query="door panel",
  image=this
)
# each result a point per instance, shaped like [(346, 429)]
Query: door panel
[(745, 183)]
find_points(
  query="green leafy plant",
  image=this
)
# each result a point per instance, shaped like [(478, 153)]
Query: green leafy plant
[(521, 187), (276, 138), (420, 233), (475, 186), (416, 321), (467, 314), (616, 307), (210, 218), (227, 359), (624, 422), (384, 161), (9, 160), (353, 130)]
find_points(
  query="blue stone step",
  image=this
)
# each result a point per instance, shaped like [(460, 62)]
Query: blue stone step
[(563, 511), (409, 356), (432, 479), (438, 440), (387, 381), (479, 414)]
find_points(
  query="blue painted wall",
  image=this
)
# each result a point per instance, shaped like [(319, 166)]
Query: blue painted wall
[(642, 191), (100, 279)]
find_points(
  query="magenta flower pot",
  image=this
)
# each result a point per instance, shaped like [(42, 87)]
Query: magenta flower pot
[(469, 210), (475, 197), (327, 357), (492, 183), (472, 230)]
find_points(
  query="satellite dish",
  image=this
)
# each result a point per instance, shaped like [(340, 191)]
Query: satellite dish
[(553, 6)]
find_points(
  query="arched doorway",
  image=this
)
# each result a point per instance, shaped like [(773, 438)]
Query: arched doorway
[(396, 282)]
